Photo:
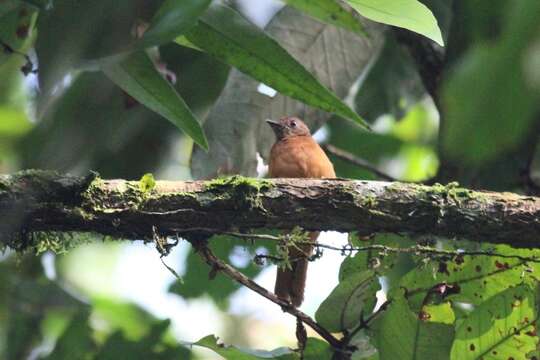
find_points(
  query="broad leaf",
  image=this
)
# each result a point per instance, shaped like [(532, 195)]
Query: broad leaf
[(138, 76), (408, 14), (172, 19), (331, 12), (225, 34), (471, 279), (503, 327), (401, 334), (352, 298)]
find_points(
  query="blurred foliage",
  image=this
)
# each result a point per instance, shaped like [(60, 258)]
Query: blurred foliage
[(482, 130)]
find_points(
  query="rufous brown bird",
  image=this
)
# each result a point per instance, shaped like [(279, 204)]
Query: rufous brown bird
[(296, 154)]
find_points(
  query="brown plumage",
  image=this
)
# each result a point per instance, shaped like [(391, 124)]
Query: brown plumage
[(296, 155)]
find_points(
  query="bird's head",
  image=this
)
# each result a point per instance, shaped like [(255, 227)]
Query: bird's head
[(288, 126)]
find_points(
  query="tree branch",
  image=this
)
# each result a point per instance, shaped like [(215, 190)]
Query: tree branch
[(35, 201)]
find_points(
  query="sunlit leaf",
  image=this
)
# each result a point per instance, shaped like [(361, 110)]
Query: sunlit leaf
[(408, 14), (503, 327), (138, 76), (471, 279)]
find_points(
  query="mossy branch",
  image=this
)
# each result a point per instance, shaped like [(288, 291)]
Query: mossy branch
[(37, 201)]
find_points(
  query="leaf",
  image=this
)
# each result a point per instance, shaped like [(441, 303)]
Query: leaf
[(334, 55), (234, 353), (441, 313), (331, 12), (400, 334), (225, 34), (172, 19), (407, 14), (353, 297), (503, 327), (473, 279), (138, 76)]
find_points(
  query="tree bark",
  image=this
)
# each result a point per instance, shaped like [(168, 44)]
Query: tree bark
[(37, 201)]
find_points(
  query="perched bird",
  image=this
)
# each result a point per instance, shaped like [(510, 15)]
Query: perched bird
[(296, 154)]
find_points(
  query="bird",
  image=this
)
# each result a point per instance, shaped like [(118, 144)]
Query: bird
[(295, 154)]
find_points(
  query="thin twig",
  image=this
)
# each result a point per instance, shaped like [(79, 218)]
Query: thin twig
[(347, 156), (219, 265), (417, 249)]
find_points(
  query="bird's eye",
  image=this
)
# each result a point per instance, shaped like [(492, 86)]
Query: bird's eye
[(293, 123)]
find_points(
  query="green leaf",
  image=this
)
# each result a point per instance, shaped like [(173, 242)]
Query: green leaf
[(330, 12), (138, 76), (400, 334), (408, 14), (234, 353), (474, 279), (441, 313), (225, 34), (172, 19), (501, 328), (353, 297)]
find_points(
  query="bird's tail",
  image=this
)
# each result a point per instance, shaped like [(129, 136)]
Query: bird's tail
[(291, 282)]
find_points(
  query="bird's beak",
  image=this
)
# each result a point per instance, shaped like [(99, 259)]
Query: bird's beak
[(276, 126), (273, 123)]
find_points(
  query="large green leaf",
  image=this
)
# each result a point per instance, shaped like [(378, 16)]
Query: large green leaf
[(172, 19), (225, 34), (408, 14), (501, 328), (472, 279), (329, 11), (353, 297), (401, 334), (138, 76)]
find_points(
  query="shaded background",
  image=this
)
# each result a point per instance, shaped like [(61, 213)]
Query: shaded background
[(119, 295)]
